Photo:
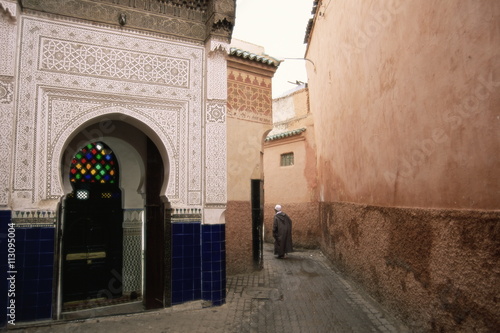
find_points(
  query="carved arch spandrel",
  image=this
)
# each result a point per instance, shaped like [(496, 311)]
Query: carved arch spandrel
[(168, 150)]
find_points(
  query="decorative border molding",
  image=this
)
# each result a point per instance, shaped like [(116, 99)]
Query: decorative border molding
[(53, 105), (6, 90), (154, 16), (34, 218)]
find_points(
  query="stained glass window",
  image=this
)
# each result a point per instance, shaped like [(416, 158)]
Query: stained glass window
[(94, 163)]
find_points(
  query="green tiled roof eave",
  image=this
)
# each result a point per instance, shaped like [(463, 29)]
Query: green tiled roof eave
[(285, 134), (254, 57)]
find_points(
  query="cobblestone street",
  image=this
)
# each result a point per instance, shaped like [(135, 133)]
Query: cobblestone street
[(301, 293)]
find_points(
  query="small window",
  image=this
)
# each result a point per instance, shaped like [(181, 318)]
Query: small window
[(82, 194), (286, 159)]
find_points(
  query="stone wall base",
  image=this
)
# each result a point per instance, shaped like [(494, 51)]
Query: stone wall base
[(437, 269), (239, 255)]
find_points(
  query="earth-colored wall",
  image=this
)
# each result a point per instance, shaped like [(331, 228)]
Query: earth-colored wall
[(249, 119), (437, 269), (405, 97), (293, 187), (239, 237)]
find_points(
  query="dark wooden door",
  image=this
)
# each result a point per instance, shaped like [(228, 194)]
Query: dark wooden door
[(257, 193), (155, 231), (92, 245)]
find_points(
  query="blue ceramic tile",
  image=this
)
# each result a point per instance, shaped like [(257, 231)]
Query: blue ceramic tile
[(216, 286), (32, 246), (177, 274), (216, 247), (20, 235), (47, 233), (176, 296), (29, 274), (206, 266), (45, 272), (44, 299), (187, 284), (187, 262), (216, 266), (188, 240), (177, 262), (44, 285), (187, 251), (27, 300), (177, 251), (206, 276), (5, 215), (44, 312), (197, 264), (28, 287), (46, 259), (26, 314), (216, 256), (216, 278), (29, 260), (188, 228), (33, 233), (47, 246), (5, 219), (207, 236), (216, 295), (206, 247), (206, 285), (176, 228), (187, 274)]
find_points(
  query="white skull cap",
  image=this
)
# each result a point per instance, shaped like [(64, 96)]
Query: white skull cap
[(278, 208)]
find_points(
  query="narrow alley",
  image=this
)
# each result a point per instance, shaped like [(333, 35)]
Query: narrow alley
[(301, 293)]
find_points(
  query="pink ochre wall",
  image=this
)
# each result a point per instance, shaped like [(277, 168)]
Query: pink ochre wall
[(412, 113), (406, 103)]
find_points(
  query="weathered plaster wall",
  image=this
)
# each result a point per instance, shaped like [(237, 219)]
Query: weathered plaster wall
[(437, 269), (249, 119), (411, 114), (293, 187), (244, 141), (239, 237), (405, 98), (291, 183)]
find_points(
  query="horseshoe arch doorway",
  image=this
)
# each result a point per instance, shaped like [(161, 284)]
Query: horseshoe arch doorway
[(113, 225)]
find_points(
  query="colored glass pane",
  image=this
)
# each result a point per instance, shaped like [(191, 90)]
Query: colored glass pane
[(94, 163)]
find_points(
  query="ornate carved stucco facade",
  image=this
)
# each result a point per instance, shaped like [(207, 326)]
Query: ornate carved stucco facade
[(122, 72)]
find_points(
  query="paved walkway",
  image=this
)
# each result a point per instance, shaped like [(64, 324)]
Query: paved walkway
[(301, 293)]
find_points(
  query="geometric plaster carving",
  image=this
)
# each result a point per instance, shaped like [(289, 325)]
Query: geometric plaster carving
[(82, 59), (216, 183), (154, 116), (62, 87)]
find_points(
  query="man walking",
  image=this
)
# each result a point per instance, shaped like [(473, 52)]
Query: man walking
[(282, 233)]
